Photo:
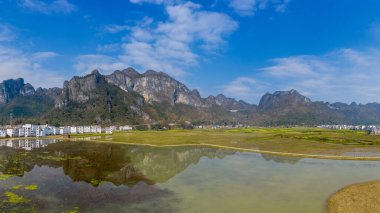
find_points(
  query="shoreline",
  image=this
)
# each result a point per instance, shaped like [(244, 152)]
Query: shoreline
[(327, 157)]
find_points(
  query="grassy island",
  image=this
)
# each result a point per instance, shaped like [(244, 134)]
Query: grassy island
[(356, 198), (299, 142)]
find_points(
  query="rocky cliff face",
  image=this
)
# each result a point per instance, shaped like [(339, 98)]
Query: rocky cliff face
[(10, 89), (229, 103), (155, 87), (81, 89), (283, 99), (160, 88)]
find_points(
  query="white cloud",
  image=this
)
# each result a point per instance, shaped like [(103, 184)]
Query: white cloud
[(174, 45), (293, 66), (15, 63), (169, 46), (38, 56), (106, 64), (108, 47), (154, 1), (280, 5), (6, 33), (250, 7), (343, 75), (241, 88), (188, 23), (115, 28), (56, 6)]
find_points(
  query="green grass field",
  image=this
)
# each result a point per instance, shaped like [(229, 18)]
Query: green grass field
[(312, 141)]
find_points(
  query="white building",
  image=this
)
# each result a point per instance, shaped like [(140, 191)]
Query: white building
[(56, 131), (80, 129), (40, 131), (87, 129), (96, 129), (49, 130), (21, 131), (111, 129), (64, 130), (374, 131), (12, 132), (73, 130), (29, 130), (125, 128), (3, 133)]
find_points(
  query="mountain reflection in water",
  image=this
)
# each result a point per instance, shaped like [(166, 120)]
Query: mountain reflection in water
[(95, 162), (101, 176), (104, 177)]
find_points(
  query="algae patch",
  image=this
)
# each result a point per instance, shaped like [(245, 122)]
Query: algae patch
[(5, 176), (13, 198), (31, 187), (17, 187)]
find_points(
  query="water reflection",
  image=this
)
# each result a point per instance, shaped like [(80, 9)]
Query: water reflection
[(119, 164), (100, 177), (281, 159), (27, 144), (95, 163)]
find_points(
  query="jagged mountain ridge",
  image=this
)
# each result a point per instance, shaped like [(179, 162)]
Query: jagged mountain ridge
[(128, 96), (9, 89), (159, 87)]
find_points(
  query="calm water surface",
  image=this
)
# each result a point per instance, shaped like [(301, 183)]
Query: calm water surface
[(93, 177)]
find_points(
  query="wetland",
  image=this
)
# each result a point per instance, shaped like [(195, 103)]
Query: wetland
[(179, 173)]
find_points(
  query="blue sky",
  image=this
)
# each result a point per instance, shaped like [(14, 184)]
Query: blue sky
[(327, 50)]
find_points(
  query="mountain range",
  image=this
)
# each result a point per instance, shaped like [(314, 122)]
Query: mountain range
[(130, 97)]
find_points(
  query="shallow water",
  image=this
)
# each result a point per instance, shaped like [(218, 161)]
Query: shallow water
[(95, 177)]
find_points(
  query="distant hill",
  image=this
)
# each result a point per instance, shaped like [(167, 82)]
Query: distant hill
[(152, 97)]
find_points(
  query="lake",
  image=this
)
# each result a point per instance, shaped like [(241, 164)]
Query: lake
[(80, 176)]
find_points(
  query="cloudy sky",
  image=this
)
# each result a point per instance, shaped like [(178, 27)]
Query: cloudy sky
[(327, 50)]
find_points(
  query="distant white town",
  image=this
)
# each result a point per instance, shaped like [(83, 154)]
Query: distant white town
[(31, 130), (371, 129)]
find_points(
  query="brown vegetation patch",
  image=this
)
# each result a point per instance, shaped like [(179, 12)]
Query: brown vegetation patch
[(356, 198)]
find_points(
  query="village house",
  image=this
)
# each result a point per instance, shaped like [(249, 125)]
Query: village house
[(374, 131), (111, 129), (64, 130), (96, 129), (56, 131), (125, 128), (40, 131), (80, 129), (12, 132), (21, 131), (3, 133), (73, 130), (87, 129), (29, 130)]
